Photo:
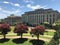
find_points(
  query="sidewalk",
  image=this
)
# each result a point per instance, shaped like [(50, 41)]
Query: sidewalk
[(44, 39)]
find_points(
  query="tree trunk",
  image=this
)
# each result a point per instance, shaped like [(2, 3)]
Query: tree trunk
[(21, 35), (4, 36), (38, 36)]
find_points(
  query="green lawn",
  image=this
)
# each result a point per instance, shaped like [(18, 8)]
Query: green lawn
[(12, 33), (49, 33), (23, 41)]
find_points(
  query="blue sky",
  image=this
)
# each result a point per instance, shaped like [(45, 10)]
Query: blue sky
[(18, 7)]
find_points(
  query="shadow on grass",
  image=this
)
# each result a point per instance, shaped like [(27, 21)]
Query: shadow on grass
[(37, 42), (4, 40), (19, 40)]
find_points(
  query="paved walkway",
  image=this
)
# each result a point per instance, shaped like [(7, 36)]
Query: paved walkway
[(47, 35), (51, 30), (44, 39)]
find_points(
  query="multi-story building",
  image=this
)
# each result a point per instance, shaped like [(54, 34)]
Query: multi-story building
[(12, 19), (39, 16)]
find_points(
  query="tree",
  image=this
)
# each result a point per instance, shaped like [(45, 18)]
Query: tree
[(4, 29), (38, 30), (20, 29), (56, 27), (56, 37)]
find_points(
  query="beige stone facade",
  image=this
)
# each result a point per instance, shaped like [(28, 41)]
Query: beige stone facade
[(12, 19), (39, 16)]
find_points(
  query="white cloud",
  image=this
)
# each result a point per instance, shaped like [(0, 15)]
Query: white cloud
[(9, 12), (28, 1), (17, 4), (35, 7), (0, 8), (14, 4), (6, 11), (17, 11), (6, 2), (2, 16)]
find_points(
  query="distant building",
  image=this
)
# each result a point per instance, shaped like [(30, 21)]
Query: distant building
[(39, 16), (12, 19)]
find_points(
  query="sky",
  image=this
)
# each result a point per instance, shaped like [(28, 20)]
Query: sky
[(18, 7)]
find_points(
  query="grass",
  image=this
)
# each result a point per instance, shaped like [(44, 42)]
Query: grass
[(24, 42), (49, 33), (28, 36), (12, 33)]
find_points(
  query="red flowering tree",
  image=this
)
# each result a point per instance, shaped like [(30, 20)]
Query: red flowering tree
[(4, 29), (20, 29), (38, 30)]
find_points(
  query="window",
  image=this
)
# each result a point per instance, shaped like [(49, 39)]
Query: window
[(43, 18), (47, 18)]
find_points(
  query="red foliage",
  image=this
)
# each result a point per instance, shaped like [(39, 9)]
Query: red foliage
[(5, 26), (38, 30), (20, 28), (4, 29), (0, 25)]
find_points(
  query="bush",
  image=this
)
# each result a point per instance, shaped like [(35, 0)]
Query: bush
[(56, 37)]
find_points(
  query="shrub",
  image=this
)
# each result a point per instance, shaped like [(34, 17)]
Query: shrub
[(56, 37)]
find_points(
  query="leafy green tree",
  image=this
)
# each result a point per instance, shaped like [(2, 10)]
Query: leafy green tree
[(56, 37), (47, 25)]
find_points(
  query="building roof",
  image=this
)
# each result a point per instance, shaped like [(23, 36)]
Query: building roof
[(38, 11), (13, 16)]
